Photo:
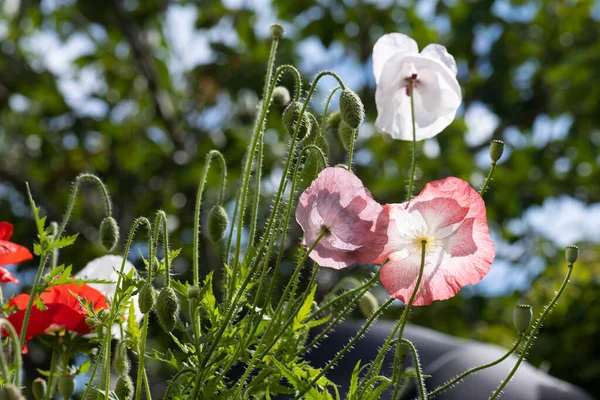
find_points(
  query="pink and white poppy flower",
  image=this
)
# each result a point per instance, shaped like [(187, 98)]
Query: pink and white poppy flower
[(449, 215), (355, 224), (436, 92)]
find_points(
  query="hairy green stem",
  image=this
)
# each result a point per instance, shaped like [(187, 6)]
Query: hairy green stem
[(488, 179), (329, 98), (419, 377), (141, 357), (196, 250), (350, 344), (479, 368), (532, 334)]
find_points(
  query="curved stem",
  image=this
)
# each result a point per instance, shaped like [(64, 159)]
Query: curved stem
[(488, 179), (404, 317), (413, 160), (479, 368), (329, 98), (256, 201), (345, 349), (419, 377), (533, 333), (12, 333), (212, 154), (53, 360)]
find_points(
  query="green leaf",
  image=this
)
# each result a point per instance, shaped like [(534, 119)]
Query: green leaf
[(305, 309)]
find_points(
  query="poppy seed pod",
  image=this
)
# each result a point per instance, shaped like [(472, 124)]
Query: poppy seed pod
[(496, 150), (66, 386), (281, 96), (124, 388), (146, 298), (368, 304), (277, 31), (347, 135), (217, 223), (38, 388), (290, 117), (571, 254), (522, 317), (167, 308), (109, 233), (351, 108)]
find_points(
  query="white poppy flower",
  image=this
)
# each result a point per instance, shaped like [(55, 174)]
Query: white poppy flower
[(437, 95), (105, 268)]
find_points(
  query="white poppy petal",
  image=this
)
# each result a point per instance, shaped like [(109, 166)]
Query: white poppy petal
[(388, 46), (440, 53)]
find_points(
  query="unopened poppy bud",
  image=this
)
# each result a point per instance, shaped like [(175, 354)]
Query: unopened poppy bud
[(571, 254), (522, 317), (109, 233), (333, 123), (351, 108), (167, 308), (66, 386), (38, 388), (124, 388), (496, 150), (277, 31), (368, 304), (11, 392), (347, 135), (194, 293), (91, 321), (290, 118), (281, 96), (122, 365), (217, 223), (146, 298)]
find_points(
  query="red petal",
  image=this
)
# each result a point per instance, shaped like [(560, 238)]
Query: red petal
[(12, 253), (6, 230), (6, 276)]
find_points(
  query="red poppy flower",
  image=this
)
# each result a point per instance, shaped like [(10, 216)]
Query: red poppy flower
[(10, 253), (63, 313)]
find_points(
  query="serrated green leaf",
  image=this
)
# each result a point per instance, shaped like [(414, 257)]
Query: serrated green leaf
[(305, 309)]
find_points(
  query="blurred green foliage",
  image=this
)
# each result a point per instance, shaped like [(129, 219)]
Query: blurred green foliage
[(108, 87)]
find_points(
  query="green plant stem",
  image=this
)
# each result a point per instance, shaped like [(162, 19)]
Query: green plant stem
[(256, 200), (479, 368), (413, 160), (196, 241), (18, 361), (53, 360), (488, 179), (532, 334), (419, 377), (351, 151), (404, 317), (350, 344), (36, 282), (141, 357), (329, 98), (258, 127)]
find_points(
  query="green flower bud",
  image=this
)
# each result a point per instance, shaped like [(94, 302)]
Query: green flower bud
[(281, 96), (368, 304), (347, 135), (571, 254), (167, 308), (277, 31), (122, 365), (351, 108), (522, 317), (38, 388), (496, 150), (217, 223), (124, 388), (66, 386), (290, 117), (194, 293), (109, 233), (146, 298), (91, 322), (333, 123)]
